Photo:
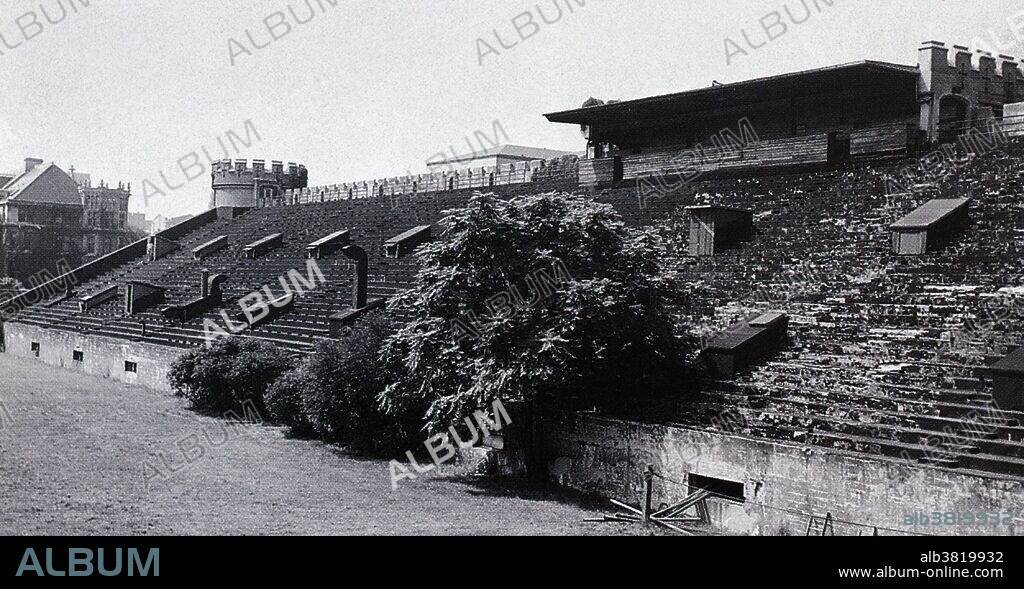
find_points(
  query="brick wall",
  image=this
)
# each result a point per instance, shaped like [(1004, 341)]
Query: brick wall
[(782, 482)]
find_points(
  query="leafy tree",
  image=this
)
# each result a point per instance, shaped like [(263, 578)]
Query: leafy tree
[(537, 298)]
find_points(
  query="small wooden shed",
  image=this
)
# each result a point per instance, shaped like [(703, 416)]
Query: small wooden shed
[(715, 228), (1008, 381), (930, 227)]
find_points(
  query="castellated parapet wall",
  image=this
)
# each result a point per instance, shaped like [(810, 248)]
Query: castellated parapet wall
[(230, 173), (564, 168), (978, 78), (236, 184)]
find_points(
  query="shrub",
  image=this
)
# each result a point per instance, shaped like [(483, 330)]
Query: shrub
[(336, 393), (228, 374), (284, 402)]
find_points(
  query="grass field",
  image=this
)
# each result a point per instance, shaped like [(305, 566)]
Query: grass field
[(76, 452)]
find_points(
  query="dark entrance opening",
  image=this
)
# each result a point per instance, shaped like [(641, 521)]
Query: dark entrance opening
[(722, 488), (618, 170), (953, 112), (838, 148)]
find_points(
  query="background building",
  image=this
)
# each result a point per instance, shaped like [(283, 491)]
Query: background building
[(40, 221), (47, 215), (105, 219), (162, 223), (496, 156), (137, 222)]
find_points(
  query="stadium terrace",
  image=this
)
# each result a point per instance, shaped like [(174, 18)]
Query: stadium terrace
[(852, 378)]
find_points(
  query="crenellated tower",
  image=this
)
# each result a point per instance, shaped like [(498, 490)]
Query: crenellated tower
[(236, 184), (959, 88)]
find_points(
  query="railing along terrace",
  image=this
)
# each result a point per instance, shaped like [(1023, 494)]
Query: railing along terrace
[(987, 132), (483, 178)]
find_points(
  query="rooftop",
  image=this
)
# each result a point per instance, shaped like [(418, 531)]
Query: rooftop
[(930, 213), (745, 92), (1011, 364), (519, 152), (44, 183)]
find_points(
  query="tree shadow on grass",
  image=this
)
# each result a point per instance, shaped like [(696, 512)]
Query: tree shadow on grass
[(523, 490)]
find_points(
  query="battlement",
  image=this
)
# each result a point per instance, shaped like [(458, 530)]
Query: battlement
[(483, 177), (960, 88), (228, 172), (960, 59)]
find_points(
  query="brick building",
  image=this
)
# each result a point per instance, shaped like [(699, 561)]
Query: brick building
[(47, 214)]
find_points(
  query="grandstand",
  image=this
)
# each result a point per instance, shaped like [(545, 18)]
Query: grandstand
[(62, 322), (884, 356), (885, 351)]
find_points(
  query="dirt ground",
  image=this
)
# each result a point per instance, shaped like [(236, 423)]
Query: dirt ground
[(84, 455)]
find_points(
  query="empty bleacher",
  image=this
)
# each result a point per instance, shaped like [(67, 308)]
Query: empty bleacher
[(372, 222), (887, 354)]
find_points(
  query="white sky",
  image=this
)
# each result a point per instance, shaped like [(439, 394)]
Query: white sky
[(373, 88)]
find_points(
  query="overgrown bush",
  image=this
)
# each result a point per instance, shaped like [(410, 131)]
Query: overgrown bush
[(285, 404), (548, 297), (336, 391), (228, 374)]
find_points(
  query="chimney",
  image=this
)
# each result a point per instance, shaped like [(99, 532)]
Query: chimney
[(31, 163)]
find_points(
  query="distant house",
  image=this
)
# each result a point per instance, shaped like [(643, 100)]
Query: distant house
[(496, 156), (138, 222), (161, 223), (40, 221)]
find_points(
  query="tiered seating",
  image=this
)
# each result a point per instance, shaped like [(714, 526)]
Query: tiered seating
[(372, 222), (886, 353)]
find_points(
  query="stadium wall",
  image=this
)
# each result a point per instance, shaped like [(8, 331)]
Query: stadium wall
[(101, 356), (781, 483)]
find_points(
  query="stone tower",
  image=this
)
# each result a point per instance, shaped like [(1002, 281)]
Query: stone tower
[(235, 184)]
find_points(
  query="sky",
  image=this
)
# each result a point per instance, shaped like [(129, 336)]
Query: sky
[(124, 90)]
